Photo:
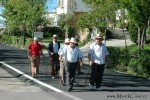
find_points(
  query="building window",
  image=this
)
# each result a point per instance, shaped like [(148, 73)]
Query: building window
[(61, 3)]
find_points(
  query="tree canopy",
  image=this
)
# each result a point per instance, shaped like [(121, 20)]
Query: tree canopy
[(23, 13), (138, 13)]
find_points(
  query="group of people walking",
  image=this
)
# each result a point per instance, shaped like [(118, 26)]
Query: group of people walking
[(68, 58)]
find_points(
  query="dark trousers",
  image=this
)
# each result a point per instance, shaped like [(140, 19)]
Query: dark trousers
[(97, 74), (54, 64), (70, 72)]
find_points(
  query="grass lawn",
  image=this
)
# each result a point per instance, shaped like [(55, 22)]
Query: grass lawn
[(47, 40)]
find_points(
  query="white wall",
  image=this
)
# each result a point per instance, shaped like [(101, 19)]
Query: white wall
[(81, 7), (62, 9)]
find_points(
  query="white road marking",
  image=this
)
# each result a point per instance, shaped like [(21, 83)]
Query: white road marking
[(42, 83)]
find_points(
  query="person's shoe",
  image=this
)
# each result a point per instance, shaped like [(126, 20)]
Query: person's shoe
[(69, 90), (75, 84), (33, 75), (53, 77), (80, 73), (61, 80), (64, 84), (99, 89), (91, 87)]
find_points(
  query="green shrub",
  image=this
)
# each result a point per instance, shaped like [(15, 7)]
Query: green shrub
[(133, 60), (20, 42), (114, 55), (13, 39), (148, 40), (139, 62), (148, 31), (108, 33), (133, 32), (27, 42), (0, 38), (144, 63)]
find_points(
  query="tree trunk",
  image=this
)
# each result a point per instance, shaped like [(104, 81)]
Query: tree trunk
[(24, 32), (143, 37), (139, 37), (33, 30)]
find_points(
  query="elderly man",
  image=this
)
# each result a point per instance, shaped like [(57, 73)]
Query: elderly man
[(63, 61), (53, 48), (71, 54), (97, 56)]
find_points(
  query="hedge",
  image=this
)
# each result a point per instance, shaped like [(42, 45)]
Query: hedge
[(133, 61), (14, 40)]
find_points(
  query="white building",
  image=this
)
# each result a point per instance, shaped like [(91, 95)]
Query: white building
[(52, 16), (70, 6)]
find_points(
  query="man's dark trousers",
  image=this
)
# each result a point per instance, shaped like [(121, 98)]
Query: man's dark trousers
[(97, 74), (70, 71), (55, 64)]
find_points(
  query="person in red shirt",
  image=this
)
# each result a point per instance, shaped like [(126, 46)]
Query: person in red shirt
[(34, 54)]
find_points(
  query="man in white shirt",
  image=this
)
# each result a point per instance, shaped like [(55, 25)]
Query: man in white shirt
[(63, 61), (72, 53), (97, 55)]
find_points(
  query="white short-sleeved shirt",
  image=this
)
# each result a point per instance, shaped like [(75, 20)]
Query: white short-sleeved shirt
[(98, 53), (72, 55), (61, 50)]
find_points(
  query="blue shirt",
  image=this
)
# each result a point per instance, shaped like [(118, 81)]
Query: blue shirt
[(55, 46)]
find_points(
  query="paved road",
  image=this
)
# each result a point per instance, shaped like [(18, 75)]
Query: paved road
[(113, 81), (13, 88)]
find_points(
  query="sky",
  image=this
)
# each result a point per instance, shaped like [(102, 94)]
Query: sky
[(1, 18), (51, 5)]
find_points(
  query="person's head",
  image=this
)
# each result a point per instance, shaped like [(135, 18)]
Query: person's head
[(67, 42), (55, 37), (73, 42), (35, 39), (99, 39)]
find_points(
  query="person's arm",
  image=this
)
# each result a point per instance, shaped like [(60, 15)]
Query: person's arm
[(60, 57), (49, 49), (90, 56), (62, 53), (41, 53), (80, 56), (29, 53), (90, 59)]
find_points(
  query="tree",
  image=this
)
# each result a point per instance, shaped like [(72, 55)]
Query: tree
[(68, 22), (23, 14), (139, 13), (102, 13), (101, 10)]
